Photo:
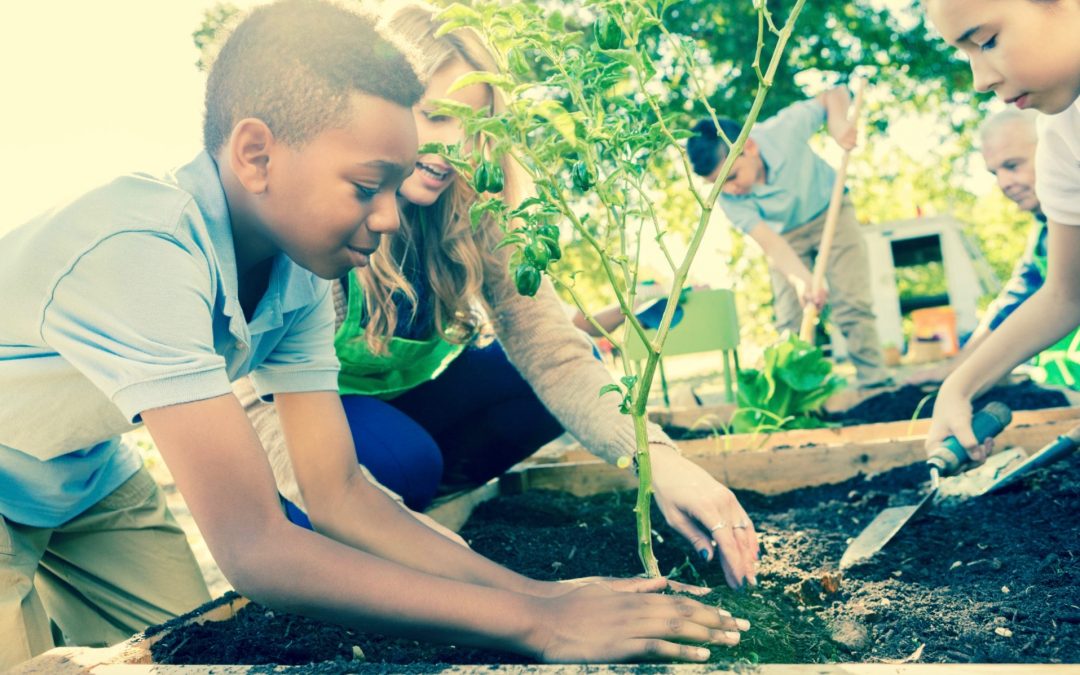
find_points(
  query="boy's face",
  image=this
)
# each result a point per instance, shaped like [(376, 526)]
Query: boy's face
[(1025, 51), (1010, 156), (433, 173), (328, 202), (746, 170)]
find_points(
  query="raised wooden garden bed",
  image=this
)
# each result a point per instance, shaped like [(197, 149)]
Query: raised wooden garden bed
[(768, 465), (787, 460)]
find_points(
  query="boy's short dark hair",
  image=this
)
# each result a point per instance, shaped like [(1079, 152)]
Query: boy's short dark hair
[(706, 148), (295, 64)]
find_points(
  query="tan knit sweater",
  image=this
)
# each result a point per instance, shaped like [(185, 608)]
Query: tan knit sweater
[(550, 353)]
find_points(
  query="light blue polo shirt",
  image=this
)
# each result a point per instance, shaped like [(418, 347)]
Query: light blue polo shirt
[(798, 183), (126, 300)]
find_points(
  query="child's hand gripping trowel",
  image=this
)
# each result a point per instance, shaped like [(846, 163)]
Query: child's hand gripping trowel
[(945, 459)]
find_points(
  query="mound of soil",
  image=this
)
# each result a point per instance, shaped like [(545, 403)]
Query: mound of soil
[(993, 579), (901, 404), (910, 402)]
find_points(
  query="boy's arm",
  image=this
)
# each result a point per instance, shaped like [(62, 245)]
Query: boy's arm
[(345, 506), (215, 457), (837, 102), (1047, 316), (785, 260)]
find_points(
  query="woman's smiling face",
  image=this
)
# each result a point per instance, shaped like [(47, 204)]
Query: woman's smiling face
[(433, 174)]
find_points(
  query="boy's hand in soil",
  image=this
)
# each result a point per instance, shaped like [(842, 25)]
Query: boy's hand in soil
[(693, 503), (632, 585), (594, 624)]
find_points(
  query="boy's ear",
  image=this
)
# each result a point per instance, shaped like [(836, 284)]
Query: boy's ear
[(750, 148), (249, 153)]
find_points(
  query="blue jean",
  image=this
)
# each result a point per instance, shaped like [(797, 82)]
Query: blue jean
[(474, 421)]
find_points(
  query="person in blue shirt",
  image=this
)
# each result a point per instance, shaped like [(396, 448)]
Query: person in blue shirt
[(142, 300), (1008, 143), (777, 192)]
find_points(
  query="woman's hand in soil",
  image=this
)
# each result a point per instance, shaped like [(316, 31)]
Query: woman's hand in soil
[(594, 624), (695, 505)]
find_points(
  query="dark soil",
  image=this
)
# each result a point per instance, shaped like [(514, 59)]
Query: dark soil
[(993, 579), (903, 403)]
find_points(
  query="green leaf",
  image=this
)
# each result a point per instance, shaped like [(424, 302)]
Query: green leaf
[(451, 153), (561, 120), (447, 106), (481, 77), (457, 16), (510, 240), (608, 388)]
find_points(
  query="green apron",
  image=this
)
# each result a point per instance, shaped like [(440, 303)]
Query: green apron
[(407, 363), (1059, 363)]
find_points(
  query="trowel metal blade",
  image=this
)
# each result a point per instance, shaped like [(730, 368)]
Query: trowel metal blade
[(983, 478), (880, 531)]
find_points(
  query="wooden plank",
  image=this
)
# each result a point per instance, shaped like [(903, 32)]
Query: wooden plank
[(452, 512), (772, 470), (887, 432), (882, 432), (696, 417)]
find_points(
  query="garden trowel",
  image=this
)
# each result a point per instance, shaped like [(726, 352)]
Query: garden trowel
[(1005, 468), (945, 459)]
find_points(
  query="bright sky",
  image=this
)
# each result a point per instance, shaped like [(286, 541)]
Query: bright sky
[(96, 89), (93, 90)]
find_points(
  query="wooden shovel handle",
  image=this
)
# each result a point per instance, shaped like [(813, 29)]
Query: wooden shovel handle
[(810, 313)]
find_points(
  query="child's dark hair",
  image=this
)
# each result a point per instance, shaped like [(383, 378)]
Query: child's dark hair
[(706, 148), (295, 64)]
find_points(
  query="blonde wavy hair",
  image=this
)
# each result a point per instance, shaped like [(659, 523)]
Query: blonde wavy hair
[(453, 255)]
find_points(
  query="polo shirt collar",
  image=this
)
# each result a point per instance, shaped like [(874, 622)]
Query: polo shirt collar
[(201, 180), (773, 157), (290, 287)]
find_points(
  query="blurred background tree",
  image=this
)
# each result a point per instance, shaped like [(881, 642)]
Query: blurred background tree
[(917, 154)]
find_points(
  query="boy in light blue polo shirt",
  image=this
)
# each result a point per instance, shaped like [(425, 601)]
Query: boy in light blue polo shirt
[(152, 293), (777, 192), (142, 300)]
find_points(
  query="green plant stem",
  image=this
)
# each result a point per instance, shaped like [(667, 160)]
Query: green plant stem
[(642, 509), (657, 344), (644, 384)]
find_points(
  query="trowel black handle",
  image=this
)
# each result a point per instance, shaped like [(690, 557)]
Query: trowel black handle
[(990, 421)]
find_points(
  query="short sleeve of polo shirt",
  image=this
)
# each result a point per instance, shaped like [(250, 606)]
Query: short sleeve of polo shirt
[(796, 123), (743, 213), (134, 315), (304, 359), (1057, 166)]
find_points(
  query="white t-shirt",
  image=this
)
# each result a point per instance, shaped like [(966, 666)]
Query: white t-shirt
[(1057, 165)]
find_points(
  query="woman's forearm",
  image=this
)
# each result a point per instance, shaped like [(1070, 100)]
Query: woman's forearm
[(1045, 318)]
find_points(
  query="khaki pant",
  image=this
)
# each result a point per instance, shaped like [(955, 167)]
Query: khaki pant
[(848, 276), (110, 572)]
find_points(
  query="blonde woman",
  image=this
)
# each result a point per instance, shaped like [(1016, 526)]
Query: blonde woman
[(430, 408)]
